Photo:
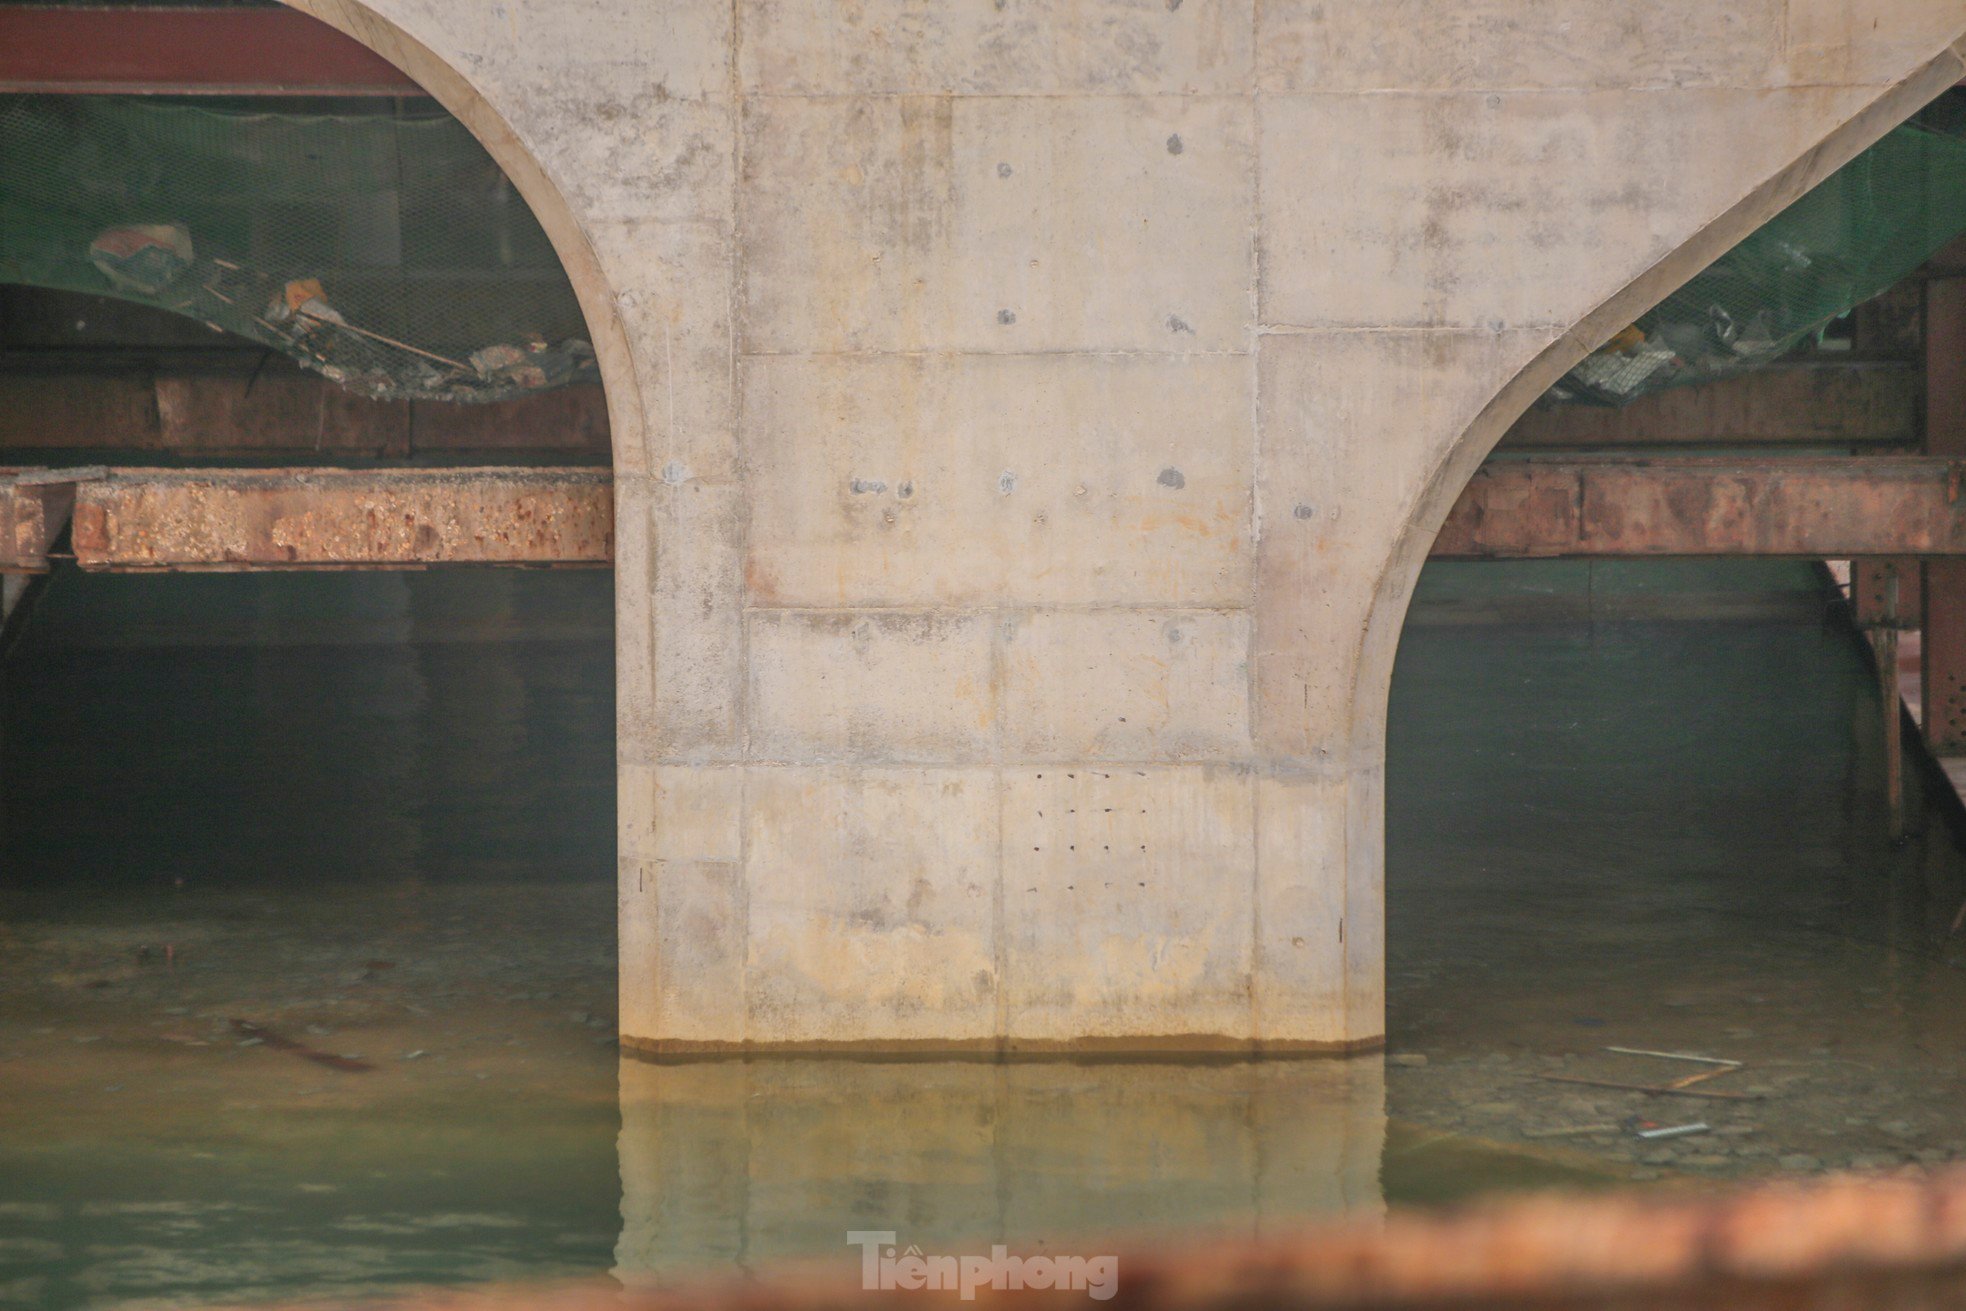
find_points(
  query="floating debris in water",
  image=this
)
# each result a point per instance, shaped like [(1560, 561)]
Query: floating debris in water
[(260, 1033)]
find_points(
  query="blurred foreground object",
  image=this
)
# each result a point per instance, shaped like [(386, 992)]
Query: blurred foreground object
[(1876, 1243)]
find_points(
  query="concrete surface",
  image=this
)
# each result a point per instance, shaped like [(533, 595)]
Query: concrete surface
[(1030, 418)]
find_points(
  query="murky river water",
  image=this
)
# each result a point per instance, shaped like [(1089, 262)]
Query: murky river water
[(336, 810)]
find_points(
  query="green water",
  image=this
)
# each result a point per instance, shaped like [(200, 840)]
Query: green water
[(374, 814)]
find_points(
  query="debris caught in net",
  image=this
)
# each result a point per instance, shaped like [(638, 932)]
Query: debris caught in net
[(1867, 226), (383, 248), (379, 246)]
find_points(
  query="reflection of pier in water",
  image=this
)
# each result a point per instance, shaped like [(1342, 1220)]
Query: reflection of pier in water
[(742, 1163)]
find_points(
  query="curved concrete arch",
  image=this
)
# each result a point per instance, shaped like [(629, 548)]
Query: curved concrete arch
[(1380, 637), (1029, 422), (1454, 470), (455, 91)]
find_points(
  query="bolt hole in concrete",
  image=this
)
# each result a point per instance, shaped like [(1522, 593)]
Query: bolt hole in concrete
[(306, 954)]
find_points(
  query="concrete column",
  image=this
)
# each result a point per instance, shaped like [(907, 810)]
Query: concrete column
[(1030, 420)]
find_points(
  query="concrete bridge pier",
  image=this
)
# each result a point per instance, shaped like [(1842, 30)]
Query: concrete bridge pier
[(1029, 421)]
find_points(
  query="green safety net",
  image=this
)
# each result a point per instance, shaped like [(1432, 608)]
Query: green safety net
[(1867, 226), (381, 246), (384, 248)]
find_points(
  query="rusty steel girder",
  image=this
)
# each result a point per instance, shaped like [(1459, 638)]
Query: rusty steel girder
[(191, 405), (1942, 653), (34, 508), (1821, 403), (1808, 507), (244, 519), (187, 51)]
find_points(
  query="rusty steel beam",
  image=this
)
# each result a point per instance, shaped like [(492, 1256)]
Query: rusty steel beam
[(1942, 656), (205, 52), (34, 508), (1887, 593), (1942, 653), (1871, 404), (1807, 507), (1879, 590), (228, 404), (243, 519), (258, 519)]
